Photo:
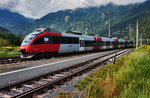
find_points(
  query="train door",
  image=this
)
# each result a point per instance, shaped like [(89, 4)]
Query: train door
[(46, 46), (95, 43), (81, 44), (126, 43)]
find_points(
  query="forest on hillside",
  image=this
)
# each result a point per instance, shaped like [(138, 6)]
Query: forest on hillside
[(9, 39)]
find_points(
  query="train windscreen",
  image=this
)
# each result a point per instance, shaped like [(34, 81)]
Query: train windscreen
[(28, 39)]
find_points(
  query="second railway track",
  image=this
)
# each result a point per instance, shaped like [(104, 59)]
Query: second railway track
[(41, 84)]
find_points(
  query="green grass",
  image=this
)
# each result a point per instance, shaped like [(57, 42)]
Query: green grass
[(9, 52), (128, 78), (133, 78)]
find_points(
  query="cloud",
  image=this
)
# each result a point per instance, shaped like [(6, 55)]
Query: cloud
[(38, 8)]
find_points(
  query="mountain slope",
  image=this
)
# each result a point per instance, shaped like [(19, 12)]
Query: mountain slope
[(8, 38), (4, 30), (145, 28), (12, 17), (92, 20), (13, 20)]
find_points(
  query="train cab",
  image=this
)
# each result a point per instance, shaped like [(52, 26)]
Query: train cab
[(29, 38)]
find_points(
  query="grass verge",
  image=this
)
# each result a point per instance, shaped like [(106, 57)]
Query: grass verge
[(9, 51), (129, 77)]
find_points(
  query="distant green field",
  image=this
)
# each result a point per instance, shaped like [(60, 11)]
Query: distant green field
[(9, 51), (128, 78)]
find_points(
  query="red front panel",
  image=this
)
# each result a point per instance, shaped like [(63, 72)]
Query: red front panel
[(43, 47)]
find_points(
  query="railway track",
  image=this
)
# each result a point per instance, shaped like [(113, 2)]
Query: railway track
[(9, 60), (46, 82)]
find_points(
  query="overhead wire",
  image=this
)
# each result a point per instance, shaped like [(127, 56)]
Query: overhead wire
[(25, 12), (41, 5), (84, 3)]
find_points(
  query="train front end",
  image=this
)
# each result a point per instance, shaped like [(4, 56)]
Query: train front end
[(25, 47), (26, 44)]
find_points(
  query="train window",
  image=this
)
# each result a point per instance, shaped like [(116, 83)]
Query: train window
[(90, 43), (46, 40), (104, 43), (94, 43), (64, 40), (119, 43), (115, 43), (122, 43), (70, 40), (112, 43), (99, 43), (55, 39), (86, 43), (38, 41), (76, 40), (107, 43)]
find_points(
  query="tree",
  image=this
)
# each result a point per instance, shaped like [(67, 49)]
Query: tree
[(3, 42)]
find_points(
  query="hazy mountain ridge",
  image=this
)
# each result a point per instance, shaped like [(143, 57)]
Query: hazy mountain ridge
[(13, 20), (4, 30), (12, 17)]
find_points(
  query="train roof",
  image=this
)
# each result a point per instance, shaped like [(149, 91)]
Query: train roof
[(77, 34), (42, 30), (74, 32)]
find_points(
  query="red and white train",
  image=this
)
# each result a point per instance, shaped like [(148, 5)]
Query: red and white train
[(42, 41)]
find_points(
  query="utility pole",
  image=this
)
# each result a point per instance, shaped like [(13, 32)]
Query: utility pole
[(88, 25), (109, 22), (129, 31), (137, 31), (141, 39)]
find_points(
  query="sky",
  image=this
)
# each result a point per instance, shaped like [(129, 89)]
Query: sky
[(38, 8)]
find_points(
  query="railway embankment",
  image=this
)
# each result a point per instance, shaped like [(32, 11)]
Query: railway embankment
[(128, 77)]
